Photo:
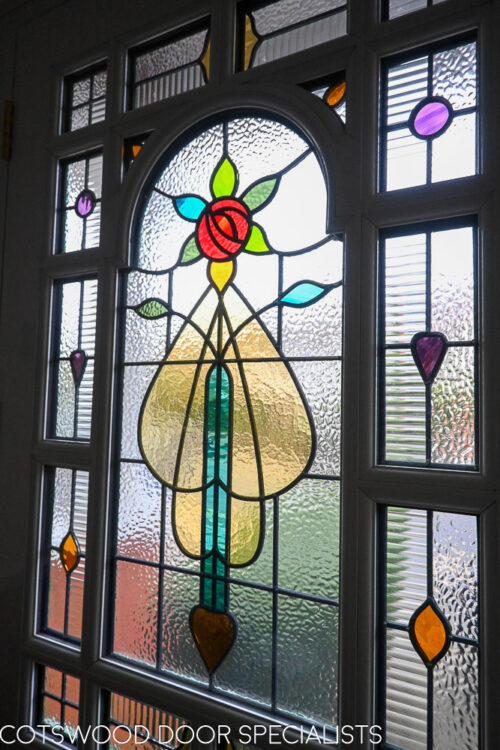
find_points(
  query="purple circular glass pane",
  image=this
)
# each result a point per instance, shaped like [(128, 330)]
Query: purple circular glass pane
[(85, 203), (431, 118)]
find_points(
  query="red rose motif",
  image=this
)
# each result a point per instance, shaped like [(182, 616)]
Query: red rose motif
[(223, 229)]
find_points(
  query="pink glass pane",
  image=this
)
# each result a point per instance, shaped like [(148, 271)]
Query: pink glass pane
[(85, 203), (78, 361), (431, 118), (428, 351)]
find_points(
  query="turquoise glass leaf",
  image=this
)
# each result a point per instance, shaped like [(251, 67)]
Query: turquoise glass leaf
[(152, 308), (304, 293), (260, 193), (189, 207)]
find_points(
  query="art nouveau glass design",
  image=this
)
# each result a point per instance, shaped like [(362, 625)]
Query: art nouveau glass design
[(230, 434)]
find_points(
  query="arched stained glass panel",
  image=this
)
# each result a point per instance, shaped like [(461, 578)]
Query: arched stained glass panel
[(227, 534)]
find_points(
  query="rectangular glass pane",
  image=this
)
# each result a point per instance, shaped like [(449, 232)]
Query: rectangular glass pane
[(254, 470), (281, 28), (167, 69), (72, 381), (428, 119), (427, 355), (397, 8), (79, 205), (62, 556), (58, 698), (85, 97), (135, 724), (429, 630)]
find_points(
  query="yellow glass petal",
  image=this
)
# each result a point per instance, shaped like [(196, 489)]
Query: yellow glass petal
[(245, 475), (205, 60), (220, 273), (245, 531), (187, 520), (250, 41), (252, 341), (429, 633), (69, 553)]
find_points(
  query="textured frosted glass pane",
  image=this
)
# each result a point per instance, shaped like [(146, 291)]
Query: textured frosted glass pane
[(70, 312), (453, 409), (321, 382), (406, 86), (456, 699), (406, 562), (81, 92), (170, 84), (162, 234), (100, 80), (261, 571), (65, 419), (307, 659), (405, 278), (180, 655), (309, 557), (136, 604), (405, 408), (454, 152), (84, 401), (73, 232), (61, 507), (139, 513), (294, 40), (258, 279), (169, 56), (75, 610), (140, 286), (406, 160), (455, 571), (253, 611), (452, 283), (145, 340), (79, 118), (284, 13), (454, 75), (57, 594), (135, 383), (402, 7), (406, 694), (75, 181)]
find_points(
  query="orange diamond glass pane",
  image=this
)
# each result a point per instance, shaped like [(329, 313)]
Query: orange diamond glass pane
[(430, 633), (69, 553)]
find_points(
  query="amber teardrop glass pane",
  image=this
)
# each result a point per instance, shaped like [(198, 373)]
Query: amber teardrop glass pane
[(69, 552), (214, 634), (335, 94), (429, 632)]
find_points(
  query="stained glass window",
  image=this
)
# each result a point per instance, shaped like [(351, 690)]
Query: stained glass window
[(230, 423), (332, 91), (79, 207), (429, 630), (62, 560), (165, 68), (58, 707), (72, 381), (396, 8), (130, 720), (428, 117), (272, 30), (428, 346), (85, 98)]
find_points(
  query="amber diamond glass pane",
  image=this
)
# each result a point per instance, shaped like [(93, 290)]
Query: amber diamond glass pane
[(429, 632), (69, 553)]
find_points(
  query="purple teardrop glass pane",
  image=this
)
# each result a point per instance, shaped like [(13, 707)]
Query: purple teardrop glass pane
[(78, 362), (85, 203), (428, 351), (431, 118)]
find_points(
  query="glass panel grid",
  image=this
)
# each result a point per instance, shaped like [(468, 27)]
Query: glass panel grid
[(63, 550), (269, 31), (168, 67), (85, 99), (396, 8), (428, 319), (72, 363), (428, 115), (429, 554), (156, 583), (79, 205), (58, 697)]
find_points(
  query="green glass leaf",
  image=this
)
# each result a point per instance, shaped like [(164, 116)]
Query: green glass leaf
[(224, 179), (189, 252), (257, 242), (152, 308), (304, 293), (260, 193)]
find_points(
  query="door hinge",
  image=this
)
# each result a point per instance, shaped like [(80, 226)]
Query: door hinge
[(8, 127)]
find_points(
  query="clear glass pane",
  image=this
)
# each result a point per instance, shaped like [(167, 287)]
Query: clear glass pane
[(404, 408), (406, 694), (406, 562)]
